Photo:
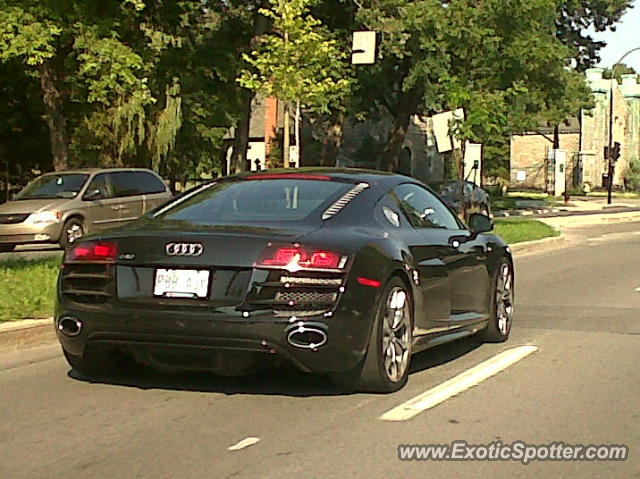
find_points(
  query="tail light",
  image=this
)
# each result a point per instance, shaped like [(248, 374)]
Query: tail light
[(296, 258), (93, 251)]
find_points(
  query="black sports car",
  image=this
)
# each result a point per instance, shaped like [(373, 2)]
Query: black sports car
[(347, 272)]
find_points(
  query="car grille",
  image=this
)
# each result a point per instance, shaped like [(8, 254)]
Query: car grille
[(88, 283), (12, 219), (301, 294)]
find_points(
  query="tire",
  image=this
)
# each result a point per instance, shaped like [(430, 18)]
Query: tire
[(382, 370), (72, 230), (502, 299), (7, 248)]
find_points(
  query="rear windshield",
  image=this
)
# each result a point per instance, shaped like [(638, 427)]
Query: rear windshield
[(53, 186), (256, 201)]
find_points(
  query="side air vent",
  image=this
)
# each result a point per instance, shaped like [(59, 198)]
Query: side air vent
[(335, 208), (88, 283)]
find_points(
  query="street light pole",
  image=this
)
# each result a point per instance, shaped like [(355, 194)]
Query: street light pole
[(610, 158)]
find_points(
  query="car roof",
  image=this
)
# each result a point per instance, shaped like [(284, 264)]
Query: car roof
[(351, 175), (94, 171)]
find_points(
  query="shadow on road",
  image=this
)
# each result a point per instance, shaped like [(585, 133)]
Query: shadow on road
[(444, 354), (281, 380)]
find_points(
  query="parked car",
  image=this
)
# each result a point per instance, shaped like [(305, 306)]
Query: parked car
[(61, 207), (459, 193), (346, 272)]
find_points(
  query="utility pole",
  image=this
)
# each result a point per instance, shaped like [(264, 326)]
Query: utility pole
[(613, 151)]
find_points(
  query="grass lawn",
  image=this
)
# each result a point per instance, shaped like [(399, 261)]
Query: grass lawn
[(27, 288), (516, 230)]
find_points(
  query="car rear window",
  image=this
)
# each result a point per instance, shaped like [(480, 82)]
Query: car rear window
[(256, 201)]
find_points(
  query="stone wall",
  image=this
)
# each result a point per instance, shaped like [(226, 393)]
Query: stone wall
[(529, 153)]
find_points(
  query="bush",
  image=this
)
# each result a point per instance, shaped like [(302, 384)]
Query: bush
[(632, 178)]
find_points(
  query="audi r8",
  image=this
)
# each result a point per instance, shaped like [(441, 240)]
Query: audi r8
[(345, 272)]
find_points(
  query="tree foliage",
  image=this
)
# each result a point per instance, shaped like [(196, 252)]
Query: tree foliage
[(298, 60), (158, 84)]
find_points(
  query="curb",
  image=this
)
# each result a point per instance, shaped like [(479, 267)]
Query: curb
[(532, 212), (25, 334), (559, 212), (544, 244)]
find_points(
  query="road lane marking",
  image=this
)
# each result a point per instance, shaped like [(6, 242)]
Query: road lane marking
[(249, 441), (462, 382)]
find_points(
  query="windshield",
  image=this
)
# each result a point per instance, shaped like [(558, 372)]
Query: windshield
[(53, 186), (258, 201)]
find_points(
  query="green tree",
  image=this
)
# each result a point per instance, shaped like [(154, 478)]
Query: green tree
[(577, 19), (24, 142), (621, 69), (129, 82), (298, 61), (507, 64)]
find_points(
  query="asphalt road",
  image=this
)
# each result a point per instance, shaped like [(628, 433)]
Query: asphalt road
[(578, 305)]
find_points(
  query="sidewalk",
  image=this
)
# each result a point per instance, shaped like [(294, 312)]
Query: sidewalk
[(577, 205), (25, 333)]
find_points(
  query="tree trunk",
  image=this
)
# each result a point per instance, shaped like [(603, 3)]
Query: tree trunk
[(56, 120), (241, 140), (556, 137), (5, 157), (287, 136), (332, 143), (238, 162), (407, 106), (297, 134)]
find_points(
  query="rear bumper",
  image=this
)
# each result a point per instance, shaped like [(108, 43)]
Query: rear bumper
[(187, 332), (22, 233)]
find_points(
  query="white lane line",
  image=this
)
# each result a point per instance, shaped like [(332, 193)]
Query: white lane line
[(458, 384), (249, 441)]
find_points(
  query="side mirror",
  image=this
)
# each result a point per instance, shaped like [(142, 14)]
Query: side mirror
[(93, 195), (479, 223)]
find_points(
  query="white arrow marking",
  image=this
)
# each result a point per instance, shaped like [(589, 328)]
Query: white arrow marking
[(250, 441)]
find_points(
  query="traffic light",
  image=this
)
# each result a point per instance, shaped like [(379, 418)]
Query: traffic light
[(615, 154)]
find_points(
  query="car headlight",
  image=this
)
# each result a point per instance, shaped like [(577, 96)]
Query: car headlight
[(43, 217)]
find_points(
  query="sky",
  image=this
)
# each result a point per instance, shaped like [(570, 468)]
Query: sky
[(626, 37)]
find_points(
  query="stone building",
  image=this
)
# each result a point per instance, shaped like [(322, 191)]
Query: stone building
[(364, 141), (530, 155), (584, 139)]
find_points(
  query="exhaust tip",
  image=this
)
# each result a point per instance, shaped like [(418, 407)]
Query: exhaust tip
[(70, 326), (305, 337)]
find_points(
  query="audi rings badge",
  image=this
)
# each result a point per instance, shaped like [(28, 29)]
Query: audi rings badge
[(184, 249)]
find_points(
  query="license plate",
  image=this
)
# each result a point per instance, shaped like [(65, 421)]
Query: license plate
[(181, 283)]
